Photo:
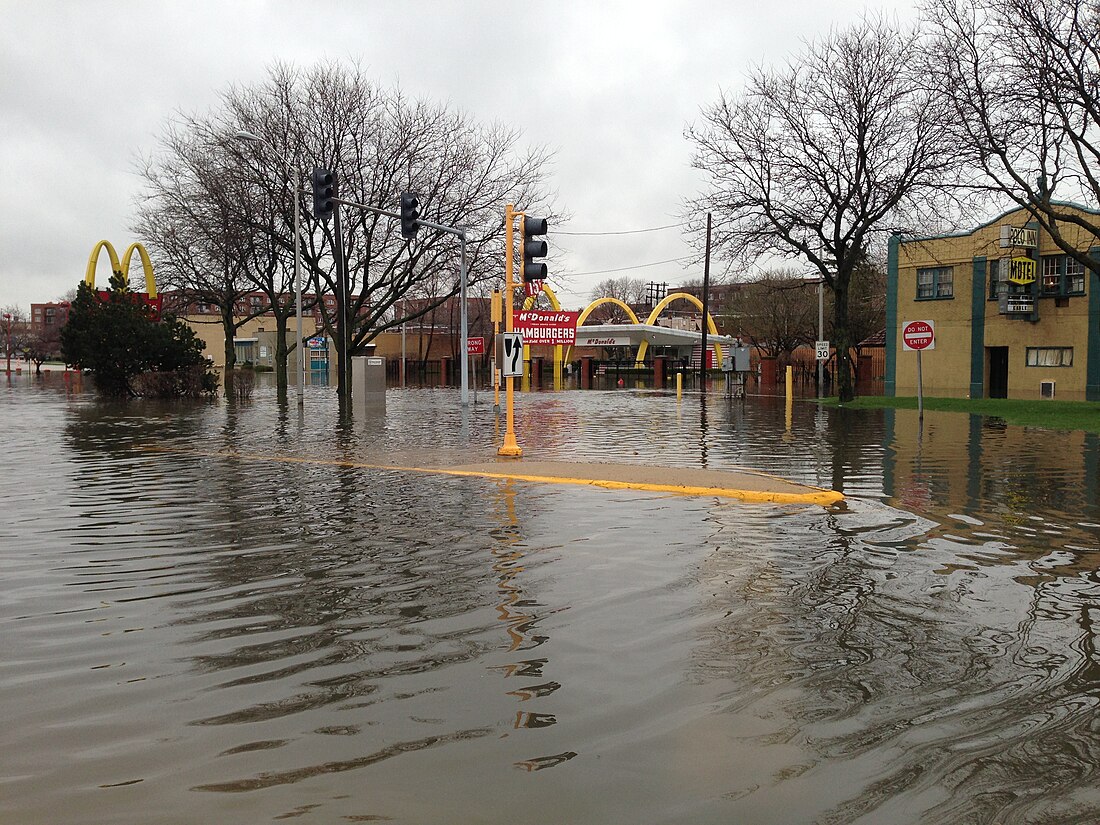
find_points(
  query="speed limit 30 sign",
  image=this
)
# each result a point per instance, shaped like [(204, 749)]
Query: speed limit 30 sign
[(918, 335)]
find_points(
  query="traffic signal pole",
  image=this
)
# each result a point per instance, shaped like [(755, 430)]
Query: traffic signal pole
[(509, 447)]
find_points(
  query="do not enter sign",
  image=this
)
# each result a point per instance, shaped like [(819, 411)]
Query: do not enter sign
[(918, 335)]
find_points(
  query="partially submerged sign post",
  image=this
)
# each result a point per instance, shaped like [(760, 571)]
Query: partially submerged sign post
[(917, 336)]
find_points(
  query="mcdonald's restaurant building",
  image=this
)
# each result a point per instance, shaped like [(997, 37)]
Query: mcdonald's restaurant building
[(1013, 316)]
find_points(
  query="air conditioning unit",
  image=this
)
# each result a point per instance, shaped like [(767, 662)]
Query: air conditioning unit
[(1046, 389)]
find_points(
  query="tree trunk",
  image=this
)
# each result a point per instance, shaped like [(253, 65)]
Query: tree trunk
[(228, 329), (282, 352), (843, 335)]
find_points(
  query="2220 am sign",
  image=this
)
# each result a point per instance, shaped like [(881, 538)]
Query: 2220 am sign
[(545, 327)]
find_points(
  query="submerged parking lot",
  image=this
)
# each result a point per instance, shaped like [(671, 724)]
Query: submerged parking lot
[(198, 633)]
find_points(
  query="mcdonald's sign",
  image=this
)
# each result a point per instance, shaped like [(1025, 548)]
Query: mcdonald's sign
[(150, 295)]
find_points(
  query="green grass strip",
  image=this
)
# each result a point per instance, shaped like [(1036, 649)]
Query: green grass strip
[(1049, 414)]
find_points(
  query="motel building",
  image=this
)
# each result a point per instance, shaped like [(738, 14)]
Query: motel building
[(1012, 315)]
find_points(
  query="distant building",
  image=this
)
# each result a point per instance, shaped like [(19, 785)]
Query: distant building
[(432, 335), (47, 319), (1014, 316)]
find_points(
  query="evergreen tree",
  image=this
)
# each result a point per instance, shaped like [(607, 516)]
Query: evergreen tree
[(115, 337)]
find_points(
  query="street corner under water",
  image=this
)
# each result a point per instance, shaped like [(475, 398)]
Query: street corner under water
[(243, 611)]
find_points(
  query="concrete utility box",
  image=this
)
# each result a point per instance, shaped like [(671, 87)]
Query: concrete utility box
[(740, 358), (368, 382)]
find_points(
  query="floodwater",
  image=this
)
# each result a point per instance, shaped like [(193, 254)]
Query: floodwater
[(204, 634)]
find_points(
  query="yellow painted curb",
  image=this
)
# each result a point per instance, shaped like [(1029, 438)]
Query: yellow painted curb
[(812, 496)]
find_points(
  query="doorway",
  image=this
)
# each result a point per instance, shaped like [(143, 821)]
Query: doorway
[(997, 358)]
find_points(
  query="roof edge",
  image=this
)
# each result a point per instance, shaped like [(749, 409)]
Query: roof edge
[(916, 238)]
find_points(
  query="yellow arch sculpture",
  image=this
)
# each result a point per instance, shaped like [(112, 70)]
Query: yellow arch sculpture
[(588, 311), (124, 267), (668, 299)]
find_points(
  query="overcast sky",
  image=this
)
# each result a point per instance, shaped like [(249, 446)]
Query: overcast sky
[(86, 86)]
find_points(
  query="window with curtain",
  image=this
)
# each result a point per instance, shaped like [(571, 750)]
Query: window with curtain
[(1050, 356)]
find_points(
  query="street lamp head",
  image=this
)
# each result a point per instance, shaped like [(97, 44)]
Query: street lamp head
[(248, 136)]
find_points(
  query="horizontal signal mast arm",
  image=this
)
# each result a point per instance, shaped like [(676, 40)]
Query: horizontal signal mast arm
[(397, 215)]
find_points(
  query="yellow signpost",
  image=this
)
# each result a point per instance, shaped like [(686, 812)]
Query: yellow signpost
[(509, 447)]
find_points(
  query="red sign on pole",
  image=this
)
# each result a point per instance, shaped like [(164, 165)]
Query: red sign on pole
[(475, 346), (545, 327), (918, 335)]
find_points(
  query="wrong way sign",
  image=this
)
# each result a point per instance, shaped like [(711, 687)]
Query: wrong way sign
[(918, 335)]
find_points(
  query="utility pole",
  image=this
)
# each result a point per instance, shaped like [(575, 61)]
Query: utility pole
[(706, 310), (821, 336)]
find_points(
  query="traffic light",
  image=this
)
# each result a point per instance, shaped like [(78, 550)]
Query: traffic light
[(533, 248), (324, 190), (410, 211)]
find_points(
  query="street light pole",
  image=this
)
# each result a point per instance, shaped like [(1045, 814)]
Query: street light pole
[(295, 177), (464, 345), (820, 336)]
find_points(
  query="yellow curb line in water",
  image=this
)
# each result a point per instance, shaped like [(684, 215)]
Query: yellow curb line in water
[(817, 496)]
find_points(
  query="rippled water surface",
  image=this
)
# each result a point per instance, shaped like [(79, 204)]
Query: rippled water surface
[(255, 623)]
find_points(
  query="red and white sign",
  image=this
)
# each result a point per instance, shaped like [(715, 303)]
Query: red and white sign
[(475, 345), (532, 288), (918, 335), (545, 327), (603, 341)]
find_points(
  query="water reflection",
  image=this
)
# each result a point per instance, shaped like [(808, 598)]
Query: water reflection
[(349, 643)]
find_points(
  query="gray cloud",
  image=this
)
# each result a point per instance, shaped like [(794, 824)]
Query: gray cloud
[(87, 86)]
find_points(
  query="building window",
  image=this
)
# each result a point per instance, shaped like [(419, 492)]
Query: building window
[(998, 278), (1052, 274), (1075, 276), (1062, 275), (1050, 356), (936, 282)]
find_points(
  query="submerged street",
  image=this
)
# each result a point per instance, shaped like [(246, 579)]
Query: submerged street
[(197, 633)]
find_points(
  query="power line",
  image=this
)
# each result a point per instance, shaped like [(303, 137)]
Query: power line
[(625, 231), (625, 268)]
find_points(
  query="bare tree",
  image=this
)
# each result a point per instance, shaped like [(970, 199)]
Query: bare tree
[(1023, 79), (379, 143), (193, 219), (777, 312), (631, 291), (39, 346), (815, 159), (867, 300), (14, 327)]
